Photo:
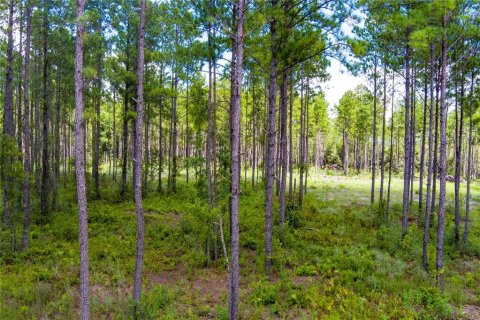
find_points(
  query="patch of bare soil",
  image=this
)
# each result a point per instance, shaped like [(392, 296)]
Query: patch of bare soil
[(207, 285), (471, 312)]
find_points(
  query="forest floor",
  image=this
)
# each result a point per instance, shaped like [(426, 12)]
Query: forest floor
[(337, 259)]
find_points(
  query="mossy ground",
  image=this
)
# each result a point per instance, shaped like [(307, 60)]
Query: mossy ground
[(337, 259)]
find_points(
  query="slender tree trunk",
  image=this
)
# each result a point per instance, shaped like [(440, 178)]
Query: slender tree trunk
[(374, 138), (422, 151), (45, 188), (26, 121), (428, 203), (443, 158), (435, 148), (283, 143), (214, 152), (126, 101), (80, 166), (8, 126), (382, 160), (290, 123), (254, 134), (115, 149), (96, 127), (413, 134), (235, 109), (56, 148), (160, 134), (469, 164), (174, 133), (208, 150), (147, 151), (301, 139), (391, 151), (458, 158), (187, 140), (19, 86), (306, 159), (345, 151), (406, 169), (137, 283), (270, 163)]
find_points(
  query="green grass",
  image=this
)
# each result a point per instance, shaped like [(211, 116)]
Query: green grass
[(336, 260)]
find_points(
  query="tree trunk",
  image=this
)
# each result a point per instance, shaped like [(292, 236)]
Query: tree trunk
[(428, 203), (235, 109), (26, 126), (174, 133), (301, 139), (382, 159), (435, 148), (96, 128), (208, 150), (8, 127), (422, 150), (443, 158), (126, 101), (80, 166), (406, 168), (115, 150), (137, 161), (387, 218), (458, 158), (374, 138), (469, 164), (45, 188), (270, 163), (290, 138), (283, 143)]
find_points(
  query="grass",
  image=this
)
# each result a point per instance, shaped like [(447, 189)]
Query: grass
[(336, 260)]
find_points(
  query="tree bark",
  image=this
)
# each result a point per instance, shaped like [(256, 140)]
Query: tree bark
[(26, 136), (45, 188), (458, 158), (290, 138), (422, 150), (137, 161), (8, 127), (374, 138), (382, 159), (80, 165), (96, 128), (270, 163), (235, 109), (283, 143), (428, 203), (126, 101), (435, 148), (469, 164), (387, 217), (406, 168), (443, 158)]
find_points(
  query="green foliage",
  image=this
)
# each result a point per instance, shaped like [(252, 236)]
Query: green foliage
[(307, 271), (264, 293), (338, 261), (432, 304)]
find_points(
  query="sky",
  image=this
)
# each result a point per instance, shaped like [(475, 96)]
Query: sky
[(341, 80)]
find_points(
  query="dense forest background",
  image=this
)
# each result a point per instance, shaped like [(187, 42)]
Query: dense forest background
[(179, 159)]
